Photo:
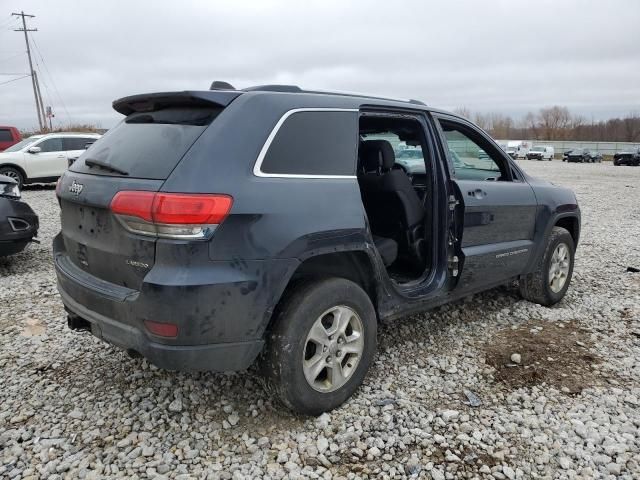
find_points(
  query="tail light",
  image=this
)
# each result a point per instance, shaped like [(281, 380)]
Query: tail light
[(171, 215)]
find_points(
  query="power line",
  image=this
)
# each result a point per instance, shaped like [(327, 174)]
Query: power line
[(53, 83), (13, 80), (4, 59), (37, 78), (8, 21), (33, 77)]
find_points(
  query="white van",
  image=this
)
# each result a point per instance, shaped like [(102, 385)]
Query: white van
[(518, 148), (541, 152)]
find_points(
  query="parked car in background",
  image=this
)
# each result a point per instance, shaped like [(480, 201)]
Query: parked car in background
[(583, 155), (565, 155), (627, 158), (43, 158), (541, 152), (205, 245), (18, 222), (9, 136)]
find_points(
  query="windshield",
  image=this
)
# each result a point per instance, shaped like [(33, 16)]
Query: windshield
[(24, 143), (409, 153)]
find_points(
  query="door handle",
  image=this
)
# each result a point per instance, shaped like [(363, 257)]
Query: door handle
[(477, 193)]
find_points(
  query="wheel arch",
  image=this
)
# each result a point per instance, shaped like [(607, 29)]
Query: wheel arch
[(571, 223), (356, 265), (17, 167)]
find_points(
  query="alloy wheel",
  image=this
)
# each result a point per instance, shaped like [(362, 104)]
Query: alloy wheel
[(559, 267), (333, 349)]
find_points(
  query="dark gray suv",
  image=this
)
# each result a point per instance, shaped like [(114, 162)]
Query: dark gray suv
[(209, 230)]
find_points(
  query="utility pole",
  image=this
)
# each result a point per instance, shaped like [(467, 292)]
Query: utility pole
[(44, 118), (33, 77)]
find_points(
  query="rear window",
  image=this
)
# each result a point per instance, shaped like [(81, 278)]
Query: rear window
[(314, 143), (5, 135), (147, 144)]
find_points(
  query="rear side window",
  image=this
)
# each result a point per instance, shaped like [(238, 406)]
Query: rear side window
[(76, 143), (51, 145), (5, 135), (314, 143), (148, 144)]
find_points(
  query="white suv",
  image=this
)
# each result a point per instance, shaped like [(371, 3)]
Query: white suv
[(43, 158)]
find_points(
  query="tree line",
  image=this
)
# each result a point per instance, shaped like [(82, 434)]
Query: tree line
[(556, 123)]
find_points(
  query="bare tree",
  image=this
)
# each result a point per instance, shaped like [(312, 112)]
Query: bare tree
[(501, 125), (530, 126), (482, 120), (554, 122), (631, 128), (463, 112)]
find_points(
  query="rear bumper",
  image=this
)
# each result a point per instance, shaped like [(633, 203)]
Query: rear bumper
[(212, 357), (220, 314)]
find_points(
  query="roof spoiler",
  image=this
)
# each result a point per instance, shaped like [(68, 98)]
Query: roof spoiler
[(150, 102)]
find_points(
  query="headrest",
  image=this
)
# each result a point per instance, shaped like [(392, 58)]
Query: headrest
[(377, 155)]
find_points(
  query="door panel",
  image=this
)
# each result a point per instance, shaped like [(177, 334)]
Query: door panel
[(51, 161), (502, 212), (499, 209), (498, 230)]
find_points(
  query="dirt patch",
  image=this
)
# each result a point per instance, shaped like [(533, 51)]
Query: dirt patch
[(557, 354)]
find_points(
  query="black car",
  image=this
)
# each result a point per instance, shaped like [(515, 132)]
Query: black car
[(583, 155), (627, 158), (18, 222), (213, 229)]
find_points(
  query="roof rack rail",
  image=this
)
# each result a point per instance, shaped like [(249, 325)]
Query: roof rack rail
[(297, 89), (364, 95), (220, 85), (274, 88)]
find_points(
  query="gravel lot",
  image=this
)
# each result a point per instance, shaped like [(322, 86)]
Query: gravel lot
[(73, 407)]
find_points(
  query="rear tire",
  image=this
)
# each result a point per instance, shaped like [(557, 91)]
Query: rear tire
[(321, 346), (13, 173), (549, 283)]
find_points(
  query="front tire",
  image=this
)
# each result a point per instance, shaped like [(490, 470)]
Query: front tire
[(321, 346), (549, 283)]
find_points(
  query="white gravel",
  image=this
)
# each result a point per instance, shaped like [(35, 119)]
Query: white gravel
[(73, 407)]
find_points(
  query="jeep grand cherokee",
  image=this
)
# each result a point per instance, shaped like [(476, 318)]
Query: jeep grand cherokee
[(212, 229)]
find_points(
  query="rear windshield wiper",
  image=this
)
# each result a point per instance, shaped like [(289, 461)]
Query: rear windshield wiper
[(97, 163)]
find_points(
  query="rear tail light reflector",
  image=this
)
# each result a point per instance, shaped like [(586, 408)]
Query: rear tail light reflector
[(162, 329)]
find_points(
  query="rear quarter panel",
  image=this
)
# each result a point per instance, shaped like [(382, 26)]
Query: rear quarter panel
[(270, 217)]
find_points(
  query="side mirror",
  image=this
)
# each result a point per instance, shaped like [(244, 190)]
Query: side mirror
[(34, 150)]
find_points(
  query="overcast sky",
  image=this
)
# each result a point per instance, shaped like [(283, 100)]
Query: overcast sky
[(505, 56)]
